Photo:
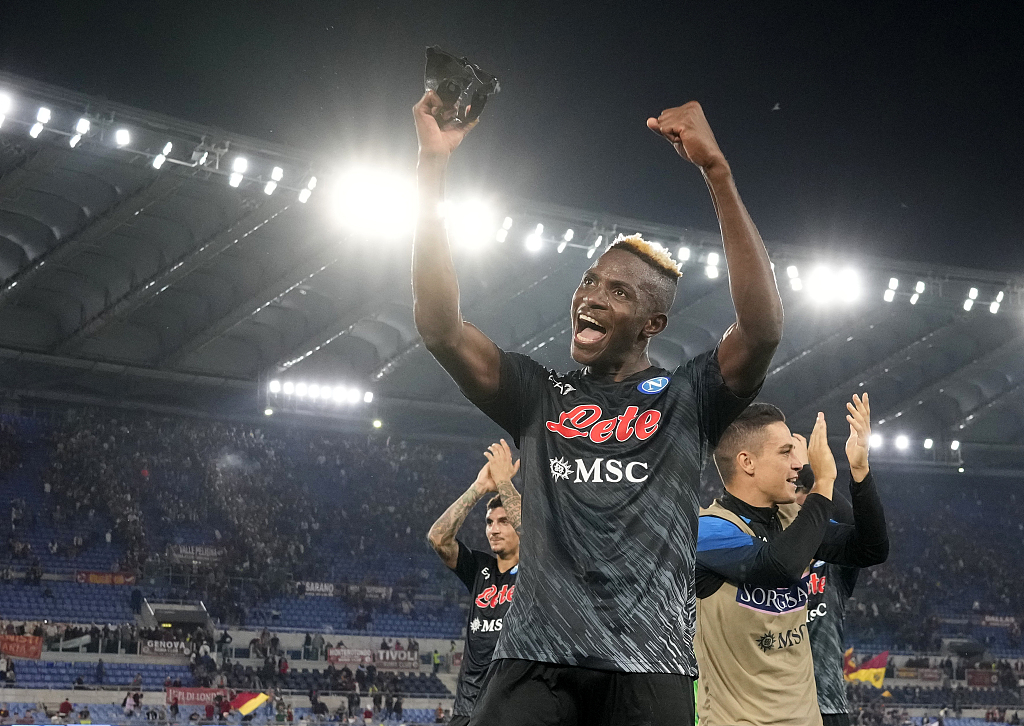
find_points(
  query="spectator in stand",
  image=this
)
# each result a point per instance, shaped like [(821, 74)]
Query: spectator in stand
[(65, 708), (101, 672)]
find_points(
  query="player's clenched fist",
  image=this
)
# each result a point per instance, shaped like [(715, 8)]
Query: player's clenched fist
[(688, 131), (439, 131)]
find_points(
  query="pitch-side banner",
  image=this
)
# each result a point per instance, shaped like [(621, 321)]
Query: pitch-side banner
[(21, 646), (194, 696), (195, 553), (980, 677), (350, 655), (319, 588), (164, 647), (86, 577), (400, 659)]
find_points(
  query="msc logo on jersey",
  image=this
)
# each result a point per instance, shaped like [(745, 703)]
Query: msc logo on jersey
[(485, 626), (653, 385), (612, 470)]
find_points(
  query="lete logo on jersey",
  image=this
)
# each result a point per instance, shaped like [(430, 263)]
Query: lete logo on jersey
[(653, 385), (575, 423)]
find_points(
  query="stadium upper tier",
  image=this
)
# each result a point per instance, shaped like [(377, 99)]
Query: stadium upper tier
[(160, 263)]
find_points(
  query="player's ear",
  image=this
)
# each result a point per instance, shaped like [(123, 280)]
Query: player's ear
[(654, 325), (745, 462)]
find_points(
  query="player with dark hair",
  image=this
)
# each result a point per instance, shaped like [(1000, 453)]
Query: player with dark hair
[(601, 631), (754, 564), (490, 578)]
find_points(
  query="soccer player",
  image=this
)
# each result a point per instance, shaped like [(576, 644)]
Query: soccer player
[(601, 630), (490, 578), (754, 552)]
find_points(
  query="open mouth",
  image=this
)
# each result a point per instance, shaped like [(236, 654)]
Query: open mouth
[(588, 330)]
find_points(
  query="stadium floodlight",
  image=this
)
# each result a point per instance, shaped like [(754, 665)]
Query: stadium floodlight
[(849, 285), (311, 184), (377, 423), (928, 443), (268, 412), (875, 442), (893, 283), (792, 272), (202, 159), (354, 394), (683, 253), (797, 284), (275, 386), (240, 165), (919, 287), (711, 271), (235, 179), (561, 247), (37, 128), (158, 161), (167, 149), (568, 235), (914, 298), (902, 442), (590, 252), (534, 241), (2, 119), (270, 187), (961, 470), (507, 223), (712, 259), (314, 390), (5, 103), (501, 235), (304, 195), (598, 241), (43, 115), (889, 295), (954, 445), (339, 394), (277, 174), (993, 308), (373, 202), (73, 141), (83, 126), (999, 297), (973, 293), (122, 137), (300, 390), (471, 222), (288, 388), (968, 304), (368, 397)]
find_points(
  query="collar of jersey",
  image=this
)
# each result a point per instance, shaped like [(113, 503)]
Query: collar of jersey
[(762, 515), (605, 379)]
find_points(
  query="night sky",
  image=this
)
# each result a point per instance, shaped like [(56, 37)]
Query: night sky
[(898, 129)]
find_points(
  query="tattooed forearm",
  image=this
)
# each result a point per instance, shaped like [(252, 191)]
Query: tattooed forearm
[(442, 533), (512, 502)]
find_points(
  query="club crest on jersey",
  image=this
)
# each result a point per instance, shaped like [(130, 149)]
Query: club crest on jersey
[(588, 420), (653, 385)]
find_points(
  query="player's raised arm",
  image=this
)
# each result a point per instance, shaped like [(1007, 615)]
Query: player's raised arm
[(466, 353), (442, 533), (748, 346), (503, 469)]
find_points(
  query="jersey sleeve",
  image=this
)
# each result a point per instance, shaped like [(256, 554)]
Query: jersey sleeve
[(717, 406), (466, 566), (518, 385)]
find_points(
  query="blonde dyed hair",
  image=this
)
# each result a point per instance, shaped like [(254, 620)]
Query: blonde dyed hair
[(650, 252)]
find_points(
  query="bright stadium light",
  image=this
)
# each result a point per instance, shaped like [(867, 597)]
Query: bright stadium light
[(368, 397), (377, 423), (954, 445), (268, 412), (304, 195), (849, 285), (893, 283), (973, 294), (507, 223), (288, 388), (561, 247), (158, 161), (354, 394), (2, 119), (968, 304), (792, 272), (993, 308), (314, 390), (339, 394), (797, 284), (300, 390), (43, 115), (37, 128), (683, 253), (5, 103), (902, 442), (501, 235), (277, 174), (83, 126), (471, 223), (167, 149), (122, 137), (240, 165), (919, 287), (73, 141), (914, 298), (235, 179), (590, 252), (889, 295), (568, 235), (928, 443), (875, 442), (275, 386), (711, 271), (270, 187), (999, 297), (712, 259), (311, 184), (373, 202), (534, 241)]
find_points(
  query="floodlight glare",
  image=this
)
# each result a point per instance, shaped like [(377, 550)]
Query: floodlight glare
[(83, 126), (568, 235), (158, 161), (5, 103), (711, 271), (683, 254), (914, 298), (304, 195), (507, 224), (37, 128), (954, 445), (893, 283), (311, 184), (849, 285), (919, 287), (340, 394), (902, 442), (599, 240), (993, 308), (235, 179), (501, 235), (122, 137), (300, 390), (270, 187), (288, 388), (928, 443), (968, 304), (889, 295), (973, 294), (371, 201), (43, 115), (590, 252), (712, 259), (792, 272), (167, 149), (797, 284), (368, 397), (999, 297), (314, 390), (354, 394), (73, 141), (470, 223), (875, 442), (204, 157), (534, 242), (377, 423), (268, 412), (275, 386), (561, 247), (277, 174), (240, 164), (2, 119)]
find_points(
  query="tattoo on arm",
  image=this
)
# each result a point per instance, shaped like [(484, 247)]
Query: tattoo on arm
[(513, 503), (442, 533)]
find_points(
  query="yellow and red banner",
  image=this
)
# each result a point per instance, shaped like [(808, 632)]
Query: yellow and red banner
[(870, 671), (246, 703)]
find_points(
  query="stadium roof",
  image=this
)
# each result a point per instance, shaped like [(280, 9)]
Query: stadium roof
[(166, 283)]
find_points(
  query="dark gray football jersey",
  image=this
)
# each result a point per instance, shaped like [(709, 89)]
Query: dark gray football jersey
[(830, 589), (610, 475)]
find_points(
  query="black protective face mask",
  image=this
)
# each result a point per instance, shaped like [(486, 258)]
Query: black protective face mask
[(453, 79)]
